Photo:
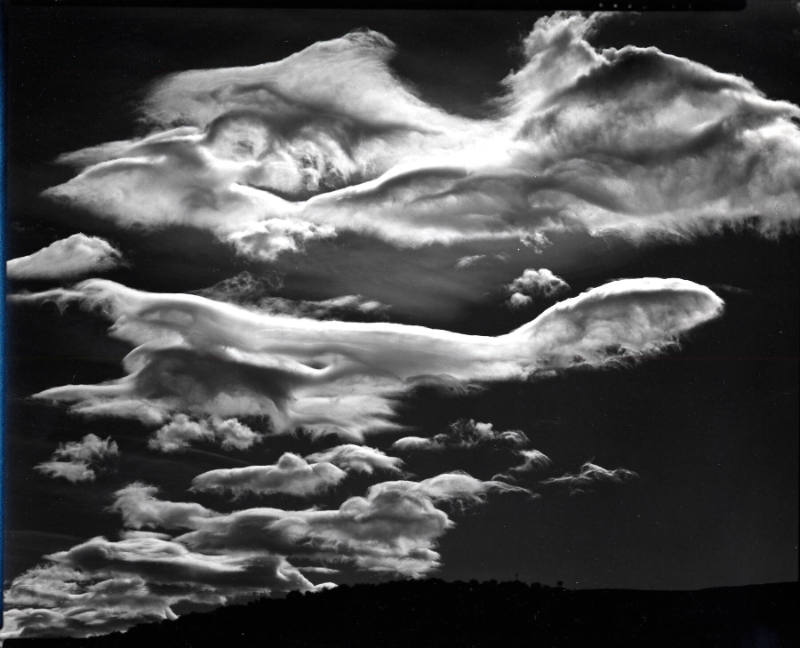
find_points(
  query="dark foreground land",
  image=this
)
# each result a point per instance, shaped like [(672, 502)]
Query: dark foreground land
[(439, 614)]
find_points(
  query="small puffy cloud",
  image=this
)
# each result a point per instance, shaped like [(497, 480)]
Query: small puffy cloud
[(356, 458), (465, 434), (591, 475), (182, 432), (535, 283), (78, 461), (140, 508), (66, 258), (291, 475)]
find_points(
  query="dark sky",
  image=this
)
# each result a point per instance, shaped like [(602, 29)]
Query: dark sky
[(710, 428)]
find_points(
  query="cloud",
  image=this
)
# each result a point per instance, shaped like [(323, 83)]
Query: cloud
[(248, 290), (139, 508), (66, 258), (393, 527), (181, 432), (291, 475), (100, 585), (206, 358), (78, 461), (465, 434), (532, 461), (632, 140), (589, 476), (535, 283), (357, 458)]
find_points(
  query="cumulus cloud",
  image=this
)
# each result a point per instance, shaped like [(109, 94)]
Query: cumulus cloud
[(591, 475), (78, 461), (181, 432), (533, 283), (206, 358), (358, 458), (632, 140), (291, 475), (465, 434), (66, 258)]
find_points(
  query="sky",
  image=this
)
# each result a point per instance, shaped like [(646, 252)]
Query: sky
[(301, 298)]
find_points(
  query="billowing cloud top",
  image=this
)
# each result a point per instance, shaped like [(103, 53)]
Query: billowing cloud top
[(67, 258)]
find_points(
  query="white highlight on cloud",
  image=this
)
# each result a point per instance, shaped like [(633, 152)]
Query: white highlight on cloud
[(465, 434), (182, 432), (534, 283), (66, 258), (291, 475), (632, 140), (358, 458), (207, 358), (78, 461), (590, 475)]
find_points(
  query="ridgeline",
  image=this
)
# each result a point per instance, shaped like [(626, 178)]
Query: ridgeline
[(438, 614)]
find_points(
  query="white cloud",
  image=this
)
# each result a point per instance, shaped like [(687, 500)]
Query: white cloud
[(207, 358), (66, 258), (518, 300), (291, 475), (357, 458), (100, 586), (78, 461), (589, 476), (181, 432), (465, 434), (541, 282), (632, 140), (394, 527), (140, 508)]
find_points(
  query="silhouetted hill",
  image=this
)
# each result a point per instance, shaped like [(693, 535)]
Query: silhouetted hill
[(434, 613)]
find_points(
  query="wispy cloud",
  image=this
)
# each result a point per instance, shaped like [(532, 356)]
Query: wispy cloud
[(590, 475), (78, 461)]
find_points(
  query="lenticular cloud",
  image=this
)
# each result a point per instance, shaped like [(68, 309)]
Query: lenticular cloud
[(273, 156), (208, 358)]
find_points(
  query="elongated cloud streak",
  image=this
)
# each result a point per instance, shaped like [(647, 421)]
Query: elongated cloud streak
[(591, 475), (213, 359), (291, 475), (66, 258)]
